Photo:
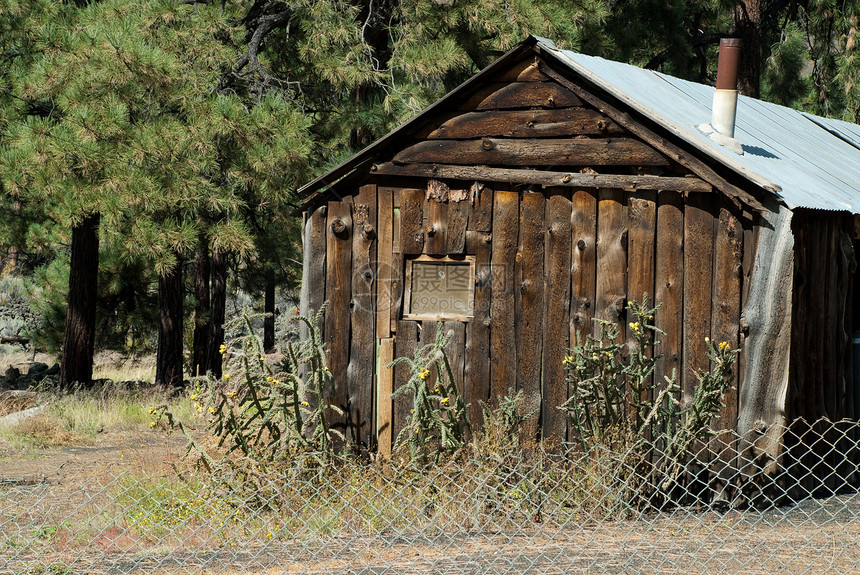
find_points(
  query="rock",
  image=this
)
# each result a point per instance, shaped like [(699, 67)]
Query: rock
[(36, 369), (19, 416), (10, 378)]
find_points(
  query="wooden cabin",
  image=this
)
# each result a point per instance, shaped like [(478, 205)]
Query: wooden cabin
[(549, 190)]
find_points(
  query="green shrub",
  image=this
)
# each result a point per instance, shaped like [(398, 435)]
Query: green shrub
[(616, 401), (438, 424), (265, 416)]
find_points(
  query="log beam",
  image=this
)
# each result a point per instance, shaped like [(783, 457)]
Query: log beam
[(534, 152), (566, 179)]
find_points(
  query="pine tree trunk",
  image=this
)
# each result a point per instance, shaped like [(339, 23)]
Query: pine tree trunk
[(168, 363), (218, 312), (269, 321), (79, 338), (201, 311), (748, 25)]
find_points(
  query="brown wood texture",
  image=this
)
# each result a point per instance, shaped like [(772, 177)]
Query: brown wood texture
[(526, 71), (556, 332), (699, 224), (314, 268), (405, 344), (503, 352), (385, 415), (362, 354), (456, 351), (726, 312), (477, 368), (458, 219), (526, 124), (534, 152), (436, 227), (384, 261), (529, 292), (672, 151), (411, 221), (611, 294), (583, 268), (641, 246), (725, 326), (337, 314), (545, 178), (505, 96), (481, 215), (669, 285)]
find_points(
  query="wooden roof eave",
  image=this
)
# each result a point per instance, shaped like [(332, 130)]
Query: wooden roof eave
[(310, 191)]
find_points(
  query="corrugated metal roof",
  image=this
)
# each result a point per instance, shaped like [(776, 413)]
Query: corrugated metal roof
[(808, 161)]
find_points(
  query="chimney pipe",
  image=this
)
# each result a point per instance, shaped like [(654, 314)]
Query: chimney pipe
[(726, 95), (722, 126)]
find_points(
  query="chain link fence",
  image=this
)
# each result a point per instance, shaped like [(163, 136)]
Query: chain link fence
[(495, 511)]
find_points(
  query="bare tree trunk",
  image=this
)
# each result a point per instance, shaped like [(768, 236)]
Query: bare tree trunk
[(202, 271), (218, 312), (79, 338), (168, 366), (748, 26), (269, 305)]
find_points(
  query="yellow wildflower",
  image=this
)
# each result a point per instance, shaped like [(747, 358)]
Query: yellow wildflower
[(226, 376), (232, 394), (707, 339), (305, 403), (212, 410), (444, 401), (223, 349), (262, 358), (423, 374), (152, 424), (724, 345), (193, 396), (151, 410)]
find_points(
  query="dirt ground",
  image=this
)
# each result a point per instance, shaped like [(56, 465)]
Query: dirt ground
[(815, 536)]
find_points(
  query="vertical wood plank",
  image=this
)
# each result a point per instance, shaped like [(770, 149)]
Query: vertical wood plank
[(337, 314), (698, 289), (385, 419), (556, 333), (611, 294), (384, 261), (456, 351), (411, 221), (405, 344), (583, 269), (750, 240), (477, 368), (436, 229), (398, 270), (529, 291), (314, 267), (725, 326), (668, 290), (642, 232), (481, 214), (503, 372), (362, 355), (458, 218)]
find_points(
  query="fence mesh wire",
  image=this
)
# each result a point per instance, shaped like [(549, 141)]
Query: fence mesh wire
[(532, 511)]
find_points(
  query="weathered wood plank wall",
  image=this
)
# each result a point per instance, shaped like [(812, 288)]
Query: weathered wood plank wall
[(546, 264), (550, 256)]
